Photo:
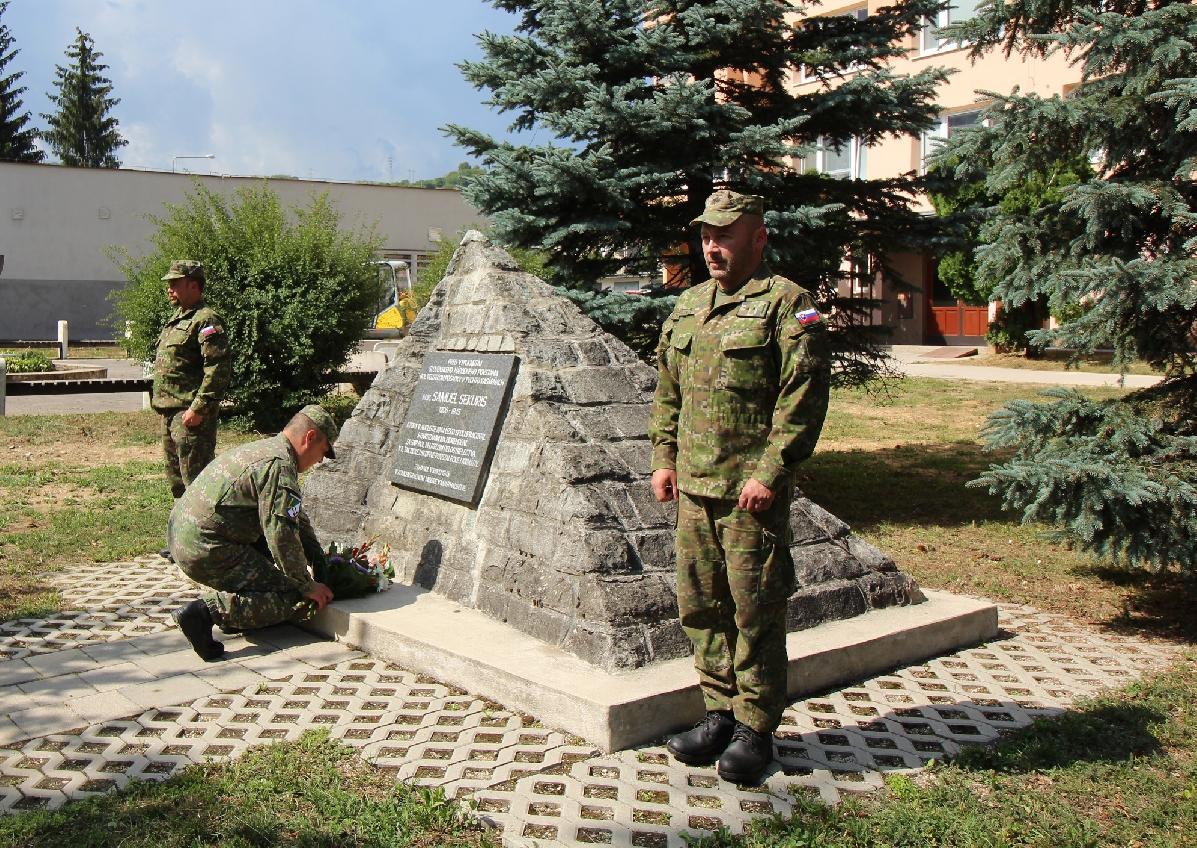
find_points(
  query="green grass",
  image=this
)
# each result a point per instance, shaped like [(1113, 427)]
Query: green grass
[(1117, 771), (74, 489), (313, 793)]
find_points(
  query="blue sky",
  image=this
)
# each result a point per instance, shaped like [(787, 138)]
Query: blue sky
[(349, 90)]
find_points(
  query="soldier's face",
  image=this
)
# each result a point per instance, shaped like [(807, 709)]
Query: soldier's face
[(183, 292), (312, 449), (733, 252)]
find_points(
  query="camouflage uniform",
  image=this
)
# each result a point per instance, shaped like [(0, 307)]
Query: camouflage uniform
[(239, 528), (192, 369), (742, 391)]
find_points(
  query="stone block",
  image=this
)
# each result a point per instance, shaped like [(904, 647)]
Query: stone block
[(825, 602), (653, 513), (637, 454), (580, 551), (626, 601), (870, 556), (667, 640), (589, 385), (654, 549), (592, 352), (821, 562), (821, 518), (587, 462), (550, 353), (542, 385), (611, 422)]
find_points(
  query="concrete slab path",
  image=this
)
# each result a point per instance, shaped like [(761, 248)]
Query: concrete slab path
[(106, 692)]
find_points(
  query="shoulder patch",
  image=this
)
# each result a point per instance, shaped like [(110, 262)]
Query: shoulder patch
[(809, 316), (294, 504), (210, 330)]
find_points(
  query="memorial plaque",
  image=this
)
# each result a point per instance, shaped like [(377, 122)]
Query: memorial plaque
[(452, 424)]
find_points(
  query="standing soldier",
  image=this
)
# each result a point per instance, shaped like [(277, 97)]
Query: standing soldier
[(191, 372), (743, 382)]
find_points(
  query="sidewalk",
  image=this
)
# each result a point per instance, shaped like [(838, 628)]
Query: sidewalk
[(908, 360), (108, 692)]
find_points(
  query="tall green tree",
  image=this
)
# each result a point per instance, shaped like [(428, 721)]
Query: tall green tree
[(16, 139), (1115, 255), (646, 106), (81, 131)]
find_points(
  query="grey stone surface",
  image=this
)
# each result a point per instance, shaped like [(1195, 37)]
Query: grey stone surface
[(566, 542)]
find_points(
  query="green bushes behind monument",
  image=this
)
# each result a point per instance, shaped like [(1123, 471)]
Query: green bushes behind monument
[(294, 287)]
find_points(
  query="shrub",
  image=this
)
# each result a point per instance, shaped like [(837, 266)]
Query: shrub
[(26, 362), (295, 290)]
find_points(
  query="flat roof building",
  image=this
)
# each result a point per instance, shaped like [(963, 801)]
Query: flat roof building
[(57, 224)]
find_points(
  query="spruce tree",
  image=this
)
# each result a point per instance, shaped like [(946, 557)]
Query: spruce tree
[(81, 132), (16, 141), (640, 108), (1115, 256)]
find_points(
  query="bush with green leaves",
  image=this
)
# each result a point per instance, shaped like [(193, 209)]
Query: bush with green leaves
[(27, 362), (296, 292)]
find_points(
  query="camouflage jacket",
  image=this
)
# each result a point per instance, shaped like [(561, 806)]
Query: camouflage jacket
[(245, 495), (193, 365), (742, 387)]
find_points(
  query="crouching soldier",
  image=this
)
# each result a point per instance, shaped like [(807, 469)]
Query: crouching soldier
[(240, 530)]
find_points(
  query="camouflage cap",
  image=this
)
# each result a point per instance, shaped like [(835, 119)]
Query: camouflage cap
[(185, 268), (723, 207), (324, 423)]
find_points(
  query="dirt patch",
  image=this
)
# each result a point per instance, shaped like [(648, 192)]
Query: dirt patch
[(79, 452)]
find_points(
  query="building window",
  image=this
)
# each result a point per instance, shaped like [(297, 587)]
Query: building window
[(947, 126), (845, 160), (806, 73), (960, 10)]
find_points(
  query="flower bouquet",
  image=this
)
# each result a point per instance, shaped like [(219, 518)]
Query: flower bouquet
[(354, 572)]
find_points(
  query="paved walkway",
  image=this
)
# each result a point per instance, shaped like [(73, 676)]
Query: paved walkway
[(107, 692), (909, 360), (906, 358)]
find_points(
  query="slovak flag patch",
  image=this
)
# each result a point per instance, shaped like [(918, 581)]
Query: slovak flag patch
[(809, 316), (210, 330)]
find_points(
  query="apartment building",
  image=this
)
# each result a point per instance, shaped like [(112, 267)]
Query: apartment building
[(931, 315)]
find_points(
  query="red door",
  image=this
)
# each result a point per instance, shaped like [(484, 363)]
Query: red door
[(951, 321)]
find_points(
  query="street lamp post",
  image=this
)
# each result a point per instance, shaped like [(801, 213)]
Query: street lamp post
[(201, 156)]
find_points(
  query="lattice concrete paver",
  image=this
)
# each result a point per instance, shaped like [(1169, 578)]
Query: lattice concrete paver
[(536, 784)]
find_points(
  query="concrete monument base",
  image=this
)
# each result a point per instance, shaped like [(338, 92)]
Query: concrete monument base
[(428, 633)]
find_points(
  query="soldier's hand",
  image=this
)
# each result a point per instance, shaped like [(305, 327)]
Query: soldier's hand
[(756, 496), (191, 419), (321, 594), (665, 484)]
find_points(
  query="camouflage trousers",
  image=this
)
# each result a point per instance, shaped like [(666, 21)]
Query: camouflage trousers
[(187, 450), (251, 591), (734, 576)]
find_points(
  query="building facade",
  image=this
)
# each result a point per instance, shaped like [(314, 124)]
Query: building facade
[(930, 315), (58, 223)]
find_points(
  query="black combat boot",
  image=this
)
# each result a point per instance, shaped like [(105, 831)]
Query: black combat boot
[(747, 757), (195, 620), (705, 741)]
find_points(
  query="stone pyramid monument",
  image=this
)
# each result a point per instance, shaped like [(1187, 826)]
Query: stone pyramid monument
[(563, 540)]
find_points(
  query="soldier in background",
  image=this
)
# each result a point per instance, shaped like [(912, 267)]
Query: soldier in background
[(192, 369), (743, 383), (240, 529)]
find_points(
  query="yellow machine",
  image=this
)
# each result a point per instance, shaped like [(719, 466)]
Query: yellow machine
[(395, 277)]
